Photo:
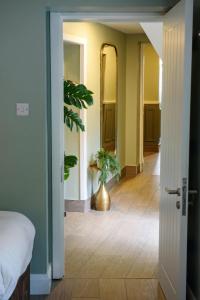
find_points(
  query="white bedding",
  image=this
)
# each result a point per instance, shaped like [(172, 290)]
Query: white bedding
[(16, 244)]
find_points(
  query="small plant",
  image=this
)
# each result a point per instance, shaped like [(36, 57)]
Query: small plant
[(107, 163), (79, 96)]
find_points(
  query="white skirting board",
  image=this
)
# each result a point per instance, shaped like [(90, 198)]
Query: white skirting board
[(40, 284)]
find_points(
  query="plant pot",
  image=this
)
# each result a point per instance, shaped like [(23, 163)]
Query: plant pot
[(102, 199)]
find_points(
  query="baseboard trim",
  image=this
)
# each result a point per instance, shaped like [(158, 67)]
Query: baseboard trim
[(190, 295), (131, 171), (77, 205), (40, 284), (151, 148)]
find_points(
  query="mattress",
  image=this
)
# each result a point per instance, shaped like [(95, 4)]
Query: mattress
[(16, 245)]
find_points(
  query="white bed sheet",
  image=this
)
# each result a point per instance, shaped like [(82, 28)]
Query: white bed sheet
[(16, 244)]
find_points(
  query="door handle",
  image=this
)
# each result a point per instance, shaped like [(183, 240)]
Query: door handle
[(173, 192), (178, 193)]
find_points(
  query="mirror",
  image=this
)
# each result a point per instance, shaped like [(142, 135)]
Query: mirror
[(109, 97)]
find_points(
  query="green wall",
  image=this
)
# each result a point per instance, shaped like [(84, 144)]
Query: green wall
[(24, 78)]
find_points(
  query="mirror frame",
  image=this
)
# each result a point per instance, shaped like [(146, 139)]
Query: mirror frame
[(102, 92)]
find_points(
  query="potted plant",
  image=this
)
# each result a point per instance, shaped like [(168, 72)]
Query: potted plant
[(107, 164)]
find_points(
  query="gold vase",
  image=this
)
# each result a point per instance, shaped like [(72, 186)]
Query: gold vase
[(102, 199)]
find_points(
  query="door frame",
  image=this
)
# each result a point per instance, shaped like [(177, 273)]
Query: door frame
[(56, 35)]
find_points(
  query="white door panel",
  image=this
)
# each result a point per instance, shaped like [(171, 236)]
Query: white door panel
[(57, 77), (175, 149)]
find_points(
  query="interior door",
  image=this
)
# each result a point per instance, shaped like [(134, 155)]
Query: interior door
[(175, 149), (57, 117)]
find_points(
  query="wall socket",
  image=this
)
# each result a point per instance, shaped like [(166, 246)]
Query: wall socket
[(22, 109)]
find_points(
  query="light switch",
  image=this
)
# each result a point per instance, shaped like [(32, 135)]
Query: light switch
[(22, 109)]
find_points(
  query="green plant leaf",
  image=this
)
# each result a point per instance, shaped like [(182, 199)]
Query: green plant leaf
[(69, 162), (77, 95), (107, 163), (72, 118)]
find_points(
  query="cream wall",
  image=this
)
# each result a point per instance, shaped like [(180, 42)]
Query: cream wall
[(110, 74), (96, 35), (151, 74), (72, 62), (133, 97), (71, 139)]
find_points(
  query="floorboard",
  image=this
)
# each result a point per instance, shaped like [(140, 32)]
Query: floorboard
[(114, 255)]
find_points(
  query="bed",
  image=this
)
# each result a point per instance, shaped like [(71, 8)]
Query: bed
[(16, 244)]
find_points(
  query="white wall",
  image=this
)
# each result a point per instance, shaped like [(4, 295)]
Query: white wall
[(72, 62), (154, 31), (72, 139)]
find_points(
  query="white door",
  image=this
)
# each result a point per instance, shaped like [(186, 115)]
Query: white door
[(57, 77), (175, 149)]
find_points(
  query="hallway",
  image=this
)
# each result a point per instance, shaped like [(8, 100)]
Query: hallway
[(122, 243), (114, 255)]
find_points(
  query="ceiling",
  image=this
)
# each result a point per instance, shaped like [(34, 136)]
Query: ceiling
[(139, 6), (128, 27)]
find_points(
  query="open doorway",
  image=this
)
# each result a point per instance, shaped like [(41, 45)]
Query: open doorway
[(179, 52), (112, 249)]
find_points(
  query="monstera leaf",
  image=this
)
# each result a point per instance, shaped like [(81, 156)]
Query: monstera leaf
[(69, 162), (72, 119), (79, 96)]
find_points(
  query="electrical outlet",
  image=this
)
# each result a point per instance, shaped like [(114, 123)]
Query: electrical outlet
[(22, 109)]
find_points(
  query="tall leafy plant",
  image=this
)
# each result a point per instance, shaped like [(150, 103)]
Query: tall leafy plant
[(75, 95)]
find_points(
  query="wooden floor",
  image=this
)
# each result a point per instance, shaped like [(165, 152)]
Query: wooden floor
[(114, 255)]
